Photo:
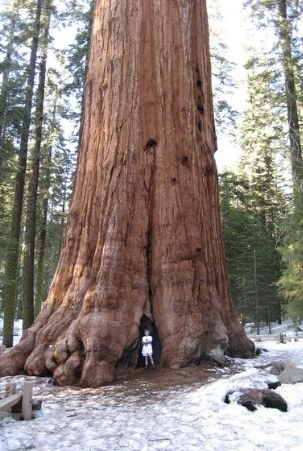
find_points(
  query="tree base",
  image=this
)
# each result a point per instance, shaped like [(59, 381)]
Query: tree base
[(143, 239), (69, 363)]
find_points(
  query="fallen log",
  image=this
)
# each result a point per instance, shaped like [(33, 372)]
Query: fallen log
[(250, 397)]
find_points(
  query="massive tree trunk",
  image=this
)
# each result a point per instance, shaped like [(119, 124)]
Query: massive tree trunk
[(143, 242)]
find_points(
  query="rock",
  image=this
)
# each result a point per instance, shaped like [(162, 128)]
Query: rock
[(277, 367), (217, 354), (291, 375), (273, 385), (250, 397), (249, 405), (259, 351), (286, 372)]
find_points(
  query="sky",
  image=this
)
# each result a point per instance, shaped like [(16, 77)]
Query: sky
[(229, 152)]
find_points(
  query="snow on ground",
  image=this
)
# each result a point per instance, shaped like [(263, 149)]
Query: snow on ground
[(17, 330), (126, 416), (287, 327)]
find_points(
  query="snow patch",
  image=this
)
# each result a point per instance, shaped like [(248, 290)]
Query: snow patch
[(125, 416)]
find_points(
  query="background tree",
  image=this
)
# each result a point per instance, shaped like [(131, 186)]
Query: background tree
[(283, 61), (30, 223), (62, 107), (291, 281), (12, 260)]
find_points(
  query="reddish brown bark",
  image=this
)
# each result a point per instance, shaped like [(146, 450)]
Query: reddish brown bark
[(144, 235)]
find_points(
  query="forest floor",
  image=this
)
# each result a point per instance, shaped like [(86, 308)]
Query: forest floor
[(164, 410)]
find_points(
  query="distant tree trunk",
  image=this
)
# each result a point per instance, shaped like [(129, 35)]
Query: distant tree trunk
[(291, 96), (42, 235), (63, 215), (143, 241), (12, 260), (30, 227)]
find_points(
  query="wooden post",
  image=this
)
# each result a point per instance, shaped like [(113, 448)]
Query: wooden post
[(27, 401), (282, 338), (10, 389)]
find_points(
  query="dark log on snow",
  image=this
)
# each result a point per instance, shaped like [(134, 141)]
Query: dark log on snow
[(250, 397)]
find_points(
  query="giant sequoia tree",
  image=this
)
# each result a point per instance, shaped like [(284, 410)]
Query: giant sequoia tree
[(143, 243)]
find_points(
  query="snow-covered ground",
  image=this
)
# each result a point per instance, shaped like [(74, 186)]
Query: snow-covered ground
[(127, 416), (17, 330), (287, 327)]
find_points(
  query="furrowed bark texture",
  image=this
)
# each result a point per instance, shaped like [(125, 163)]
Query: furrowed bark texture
[(144, 235)]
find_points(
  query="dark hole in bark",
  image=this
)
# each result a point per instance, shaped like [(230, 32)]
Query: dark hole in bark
[(78, 370), (185, 160), (199, 126), (199, 83), (147, 323), (210, 170), (200, 107), (173, 180), (150, 143), (198, 249)]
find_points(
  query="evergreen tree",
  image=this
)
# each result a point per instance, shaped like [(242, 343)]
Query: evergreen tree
[(12, 260), (283, 69), (291, 282), (253, 261), (30, 225), (223, 67), (63, 105), (12, 74)]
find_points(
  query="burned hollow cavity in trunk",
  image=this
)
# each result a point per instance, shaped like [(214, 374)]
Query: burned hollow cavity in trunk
[(147, 323)]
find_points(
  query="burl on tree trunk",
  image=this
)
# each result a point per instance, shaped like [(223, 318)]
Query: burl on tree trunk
[(143, 242)]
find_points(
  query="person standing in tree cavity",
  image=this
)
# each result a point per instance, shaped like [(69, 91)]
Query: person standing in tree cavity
[(147, 349)]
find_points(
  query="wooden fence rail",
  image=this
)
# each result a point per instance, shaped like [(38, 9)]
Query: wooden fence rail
[(279, 338), (18, 405)]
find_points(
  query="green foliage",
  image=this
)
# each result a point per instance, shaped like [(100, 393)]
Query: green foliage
[(271, 135), (223, 68), (252, 258), (62, 107), (291, 282)]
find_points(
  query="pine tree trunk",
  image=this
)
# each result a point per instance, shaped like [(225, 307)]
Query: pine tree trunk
[(143, 242), (30, 227), (42, 235), (291, 96), (12, 261), (44, 188)]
